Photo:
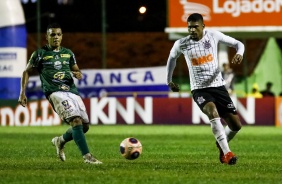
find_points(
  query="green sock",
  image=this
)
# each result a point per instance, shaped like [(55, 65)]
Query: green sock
[(79, 139), (68, 135)]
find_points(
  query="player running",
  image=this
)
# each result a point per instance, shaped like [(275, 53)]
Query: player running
[(200, 49)]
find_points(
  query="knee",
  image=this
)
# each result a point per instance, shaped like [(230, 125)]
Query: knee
[(85, 127), (237, 127), (210, 110), (76, 121), (234, 123)]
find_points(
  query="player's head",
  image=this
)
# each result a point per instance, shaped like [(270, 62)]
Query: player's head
[(54, 35), (268, 85), (195, 26)]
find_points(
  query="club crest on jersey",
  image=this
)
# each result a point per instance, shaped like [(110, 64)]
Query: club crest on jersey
[(207, 44), (200, 100), (230, 106), (56, 57), (58, 65), (66, 104)]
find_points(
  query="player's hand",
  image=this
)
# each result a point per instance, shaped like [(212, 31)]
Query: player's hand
[(77, 74), (237, 59), (22, 100), (173, 87)]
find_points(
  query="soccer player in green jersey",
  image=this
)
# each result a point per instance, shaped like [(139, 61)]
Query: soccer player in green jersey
[(57, 66)]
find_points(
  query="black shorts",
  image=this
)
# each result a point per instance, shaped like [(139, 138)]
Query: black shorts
[(218, 95)]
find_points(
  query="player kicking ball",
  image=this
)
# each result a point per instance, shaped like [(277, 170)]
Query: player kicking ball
[(57, 66), (200, 49)]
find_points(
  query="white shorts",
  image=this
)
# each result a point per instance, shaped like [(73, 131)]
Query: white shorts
[(68, 105)]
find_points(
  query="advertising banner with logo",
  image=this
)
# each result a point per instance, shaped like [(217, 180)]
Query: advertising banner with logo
[(278, 116), (130, 110), (178, 111), (236, 15), (114, 82), (13, 50)]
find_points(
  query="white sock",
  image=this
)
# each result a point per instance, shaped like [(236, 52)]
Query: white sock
[(229, 133), (219, 134), (62, 140)]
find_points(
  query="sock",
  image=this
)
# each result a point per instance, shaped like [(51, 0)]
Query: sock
[(79, 139), (68, 135), (219, 134), (229, 133)]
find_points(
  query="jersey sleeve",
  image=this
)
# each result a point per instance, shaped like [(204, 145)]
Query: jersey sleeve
[(231, 42), (34, 59), (175, 51), (72, 58)]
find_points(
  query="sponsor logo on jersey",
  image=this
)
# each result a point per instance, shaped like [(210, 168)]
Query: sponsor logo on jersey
[(66, 104), (58, 65), (65, 55), (66, 62), (200, 100), (47, 57), (65, 87), (47, 63), (202, 60), (59, 75), (185, 48)]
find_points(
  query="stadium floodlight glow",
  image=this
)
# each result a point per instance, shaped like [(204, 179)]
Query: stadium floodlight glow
[(142, 9), (27, 1)]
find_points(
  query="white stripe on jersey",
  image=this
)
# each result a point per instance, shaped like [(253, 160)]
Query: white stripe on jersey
[(202, 58)]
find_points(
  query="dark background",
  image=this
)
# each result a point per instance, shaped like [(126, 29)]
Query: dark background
[(86, 15)]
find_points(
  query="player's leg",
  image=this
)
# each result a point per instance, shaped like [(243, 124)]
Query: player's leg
[(227, 111), (67, 136), (59, 142), (216, 125), (233, 125), (80, 140), (205, 100), (78, 135), (68, 106)]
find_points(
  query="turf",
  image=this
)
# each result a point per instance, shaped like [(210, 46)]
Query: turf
[(171, 154)]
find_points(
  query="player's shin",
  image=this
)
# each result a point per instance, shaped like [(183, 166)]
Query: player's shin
[(219, 134), (229, 133), (79, 139)]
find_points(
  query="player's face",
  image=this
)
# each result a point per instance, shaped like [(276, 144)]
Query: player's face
[(54, 37), (195, 29)]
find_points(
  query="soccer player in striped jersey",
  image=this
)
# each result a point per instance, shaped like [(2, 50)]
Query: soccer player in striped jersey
[(57, 66), (200, 49)]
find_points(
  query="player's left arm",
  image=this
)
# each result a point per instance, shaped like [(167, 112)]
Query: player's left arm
[(232, 42), (76, 72), (74, 67)]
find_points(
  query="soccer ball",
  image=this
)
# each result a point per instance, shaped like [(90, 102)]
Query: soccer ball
[(130, 148)]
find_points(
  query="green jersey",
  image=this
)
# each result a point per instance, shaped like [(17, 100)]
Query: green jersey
[(54, 68)]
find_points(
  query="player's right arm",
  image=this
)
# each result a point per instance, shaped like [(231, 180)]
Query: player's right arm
[(171, 63), (31, 65), (24, 80)]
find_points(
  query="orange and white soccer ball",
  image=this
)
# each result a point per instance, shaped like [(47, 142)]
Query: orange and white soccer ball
[(130, 148)]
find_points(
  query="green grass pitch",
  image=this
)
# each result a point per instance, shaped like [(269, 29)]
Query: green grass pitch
[(171, 155)]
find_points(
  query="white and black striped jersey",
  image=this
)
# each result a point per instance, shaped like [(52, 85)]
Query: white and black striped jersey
[(202, 58)]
